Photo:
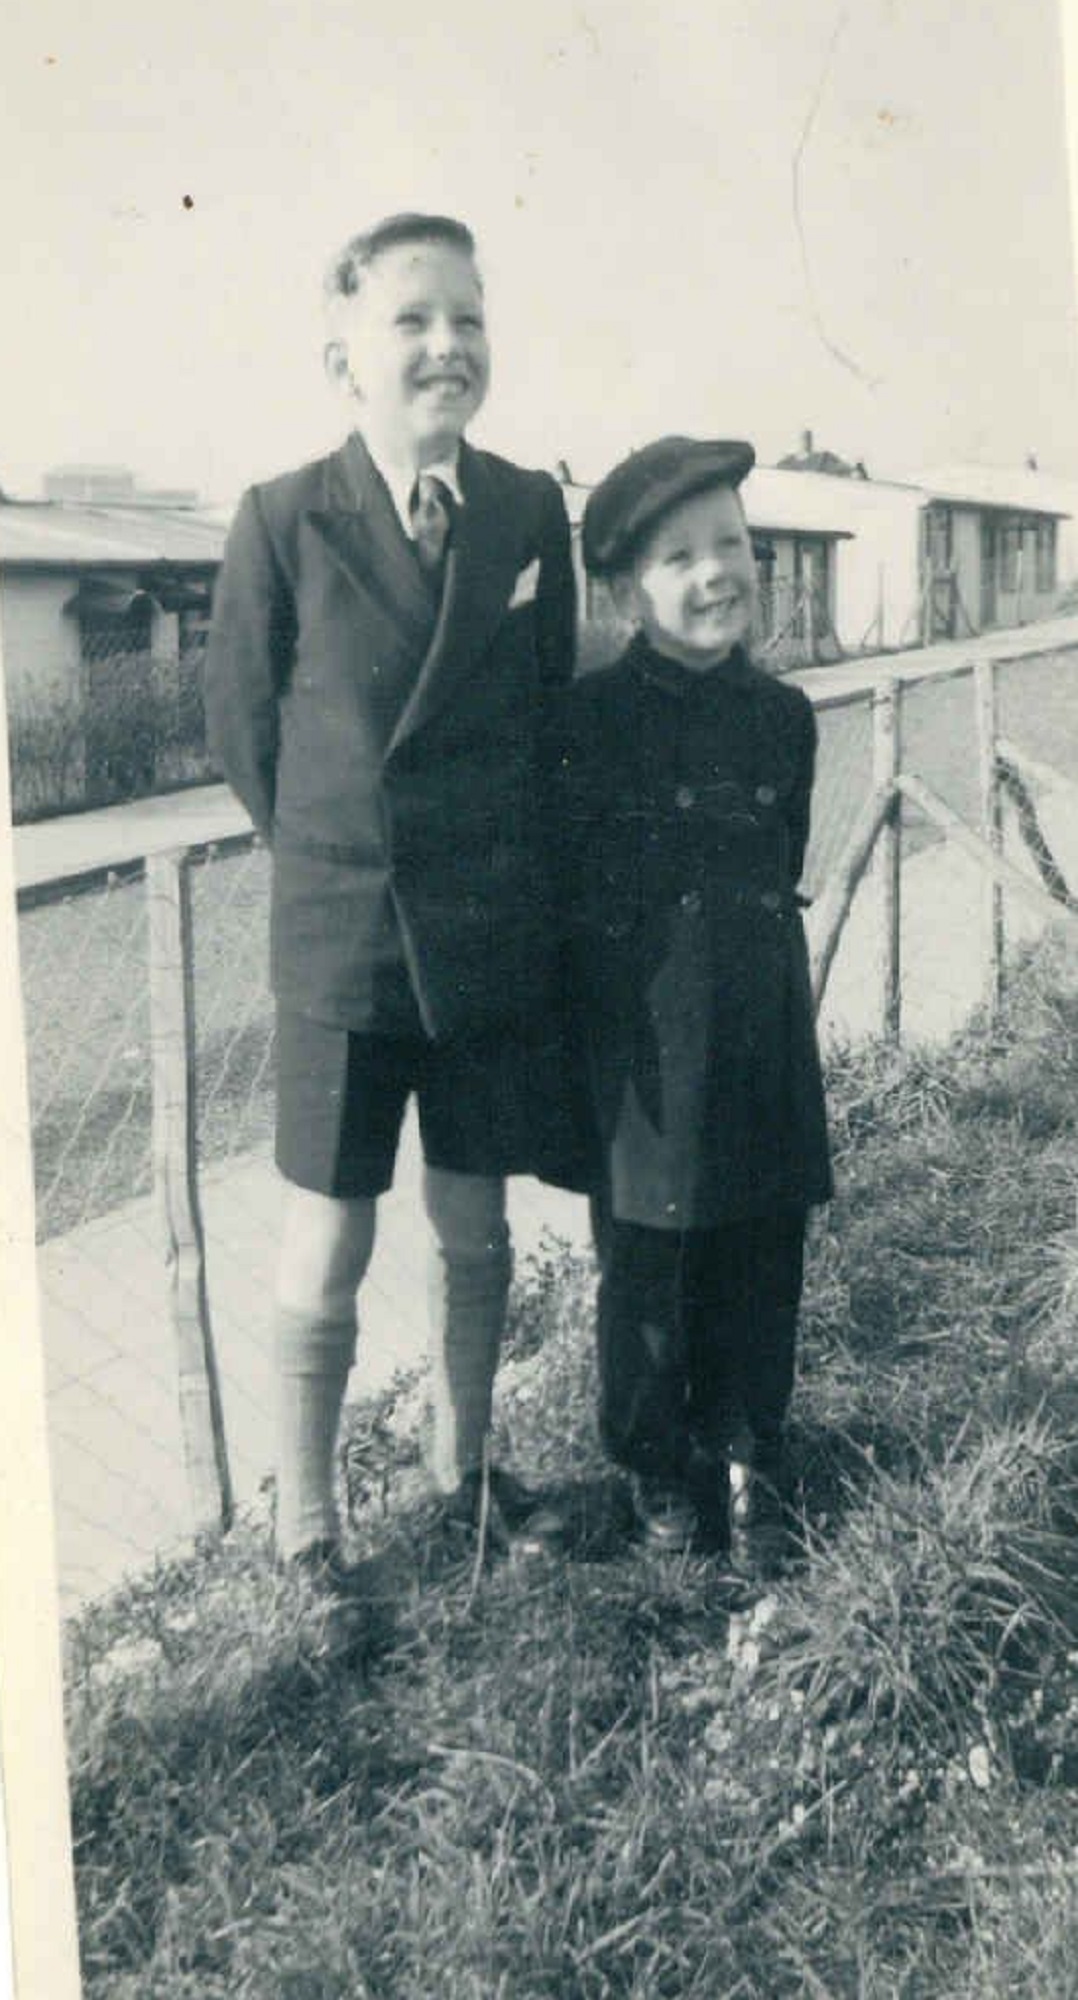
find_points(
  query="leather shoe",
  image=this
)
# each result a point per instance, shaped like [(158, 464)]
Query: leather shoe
[(322, 1567), (708, 1486), (664, 1514), (517, 1518), (762, 1521)]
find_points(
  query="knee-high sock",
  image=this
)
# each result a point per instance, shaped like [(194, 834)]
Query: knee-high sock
[(468, 1293), (313, 1359)]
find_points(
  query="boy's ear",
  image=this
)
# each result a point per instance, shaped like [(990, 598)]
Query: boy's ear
[(335, 361), (622, 588)]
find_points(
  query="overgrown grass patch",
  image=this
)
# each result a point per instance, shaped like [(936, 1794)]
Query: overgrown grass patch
[(604, 1776)]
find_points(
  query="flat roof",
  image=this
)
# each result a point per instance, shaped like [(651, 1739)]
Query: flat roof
[(62, 534), (1015, 491)]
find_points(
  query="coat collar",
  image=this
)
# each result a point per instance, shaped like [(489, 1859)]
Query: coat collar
[(657, 670), (361, 528), (361, 525)]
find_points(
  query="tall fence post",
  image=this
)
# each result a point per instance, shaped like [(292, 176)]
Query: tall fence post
[(991, 803), (810, 625), (172, 1045), (886, 763)]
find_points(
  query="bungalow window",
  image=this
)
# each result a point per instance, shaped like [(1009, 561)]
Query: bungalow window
[(939, 538), (194, 625), (1046, 555), (1010, 554), (114, 617), (765, 556)]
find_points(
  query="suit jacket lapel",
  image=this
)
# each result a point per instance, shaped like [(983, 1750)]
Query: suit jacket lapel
[(360, 528), (479, 574)]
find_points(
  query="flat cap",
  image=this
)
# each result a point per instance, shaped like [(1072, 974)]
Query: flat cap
[(644, 486)]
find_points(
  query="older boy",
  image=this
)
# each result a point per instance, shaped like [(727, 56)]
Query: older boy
[(689, 778), (390, 625)]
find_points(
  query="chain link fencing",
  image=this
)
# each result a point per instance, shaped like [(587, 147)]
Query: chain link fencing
[(120, 1488), (944, 900)]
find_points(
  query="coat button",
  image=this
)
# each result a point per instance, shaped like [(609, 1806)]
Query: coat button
[(692, 902), (765, 795), (771, 900), (684, 798)]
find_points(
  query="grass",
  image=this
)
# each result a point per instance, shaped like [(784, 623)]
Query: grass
[(602, 1777)]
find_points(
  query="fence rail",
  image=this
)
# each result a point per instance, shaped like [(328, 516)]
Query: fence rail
[(1003, 769), (151, 1030)]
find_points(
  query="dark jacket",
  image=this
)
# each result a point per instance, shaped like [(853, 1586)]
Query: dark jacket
[(686, 815), (394, 751)]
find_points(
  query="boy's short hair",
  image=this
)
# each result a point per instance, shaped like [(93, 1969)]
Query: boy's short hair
[(345, 273)]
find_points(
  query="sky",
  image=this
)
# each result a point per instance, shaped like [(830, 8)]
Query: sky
[(731, 218)]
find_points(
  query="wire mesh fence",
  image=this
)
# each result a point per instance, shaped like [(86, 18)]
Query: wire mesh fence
[(118, 1450), (86, 1002), (119, 1492), (120, 1482), (843, 782), (983, 824), (939, 742), (233, 1010), (1037, 706), (86, 995)]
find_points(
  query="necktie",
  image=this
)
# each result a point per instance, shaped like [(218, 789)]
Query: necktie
[(431, 513)]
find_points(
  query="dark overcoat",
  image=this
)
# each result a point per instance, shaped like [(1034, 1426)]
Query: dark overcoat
[(686, 814), (395, 750)]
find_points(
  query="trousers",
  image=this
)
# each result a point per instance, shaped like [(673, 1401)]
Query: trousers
[(697, 1333)]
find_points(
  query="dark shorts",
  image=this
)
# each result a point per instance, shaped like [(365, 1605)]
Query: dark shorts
[(493, 1104)]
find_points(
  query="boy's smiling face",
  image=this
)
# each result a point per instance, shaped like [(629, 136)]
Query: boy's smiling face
[(692, 586), (416, 347)]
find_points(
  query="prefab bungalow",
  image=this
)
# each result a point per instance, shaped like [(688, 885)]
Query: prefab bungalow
[(991, 547), (875, 583), (103, 615), (797, 536)]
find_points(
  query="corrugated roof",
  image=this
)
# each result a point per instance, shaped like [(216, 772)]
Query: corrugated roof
[(1020, 489), (63, 535)]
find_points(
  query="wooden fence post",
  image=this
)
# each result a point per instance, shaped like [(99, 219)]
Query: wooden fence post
[(843, 885), (172, 1044), (991, 800), (886, 763)]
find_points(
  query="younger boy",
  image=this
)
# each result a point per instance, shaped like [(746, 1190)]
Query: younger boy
[(391, 623), (689, 774)]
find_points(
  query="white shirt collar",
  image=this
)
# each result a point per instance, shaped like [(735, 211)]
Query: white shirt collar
[(401, 484)]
